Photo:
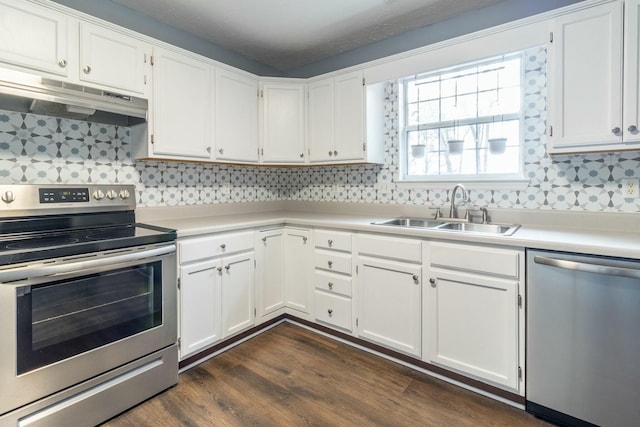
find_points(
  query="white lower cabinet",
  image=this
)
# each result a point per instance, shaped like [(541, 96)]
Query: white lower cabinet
[(285, 271), (333, 264), (389, 293), (238, 309), (216, 289), (200, 300), (474, 321)]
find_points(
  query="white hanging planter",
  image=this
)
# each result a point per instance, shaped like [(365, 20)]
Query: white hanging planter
[(418, 151), (497, 145), (455, 146)]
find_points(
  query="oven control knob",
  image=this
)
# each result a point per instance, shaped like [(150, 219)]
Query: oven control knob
[(8, 196), (124, 194), (111, 194), (98, 195)]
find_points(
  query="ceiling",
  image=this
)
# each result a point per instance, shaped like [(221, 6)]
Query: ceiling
[(288, 34)]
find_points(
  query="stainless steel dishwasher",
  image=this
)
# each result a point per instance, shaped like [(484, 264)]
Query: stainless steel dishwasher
[(583, 339)]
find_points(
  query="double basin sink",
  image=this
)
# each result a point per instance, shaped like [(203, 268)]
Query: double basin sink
[(448, 225)]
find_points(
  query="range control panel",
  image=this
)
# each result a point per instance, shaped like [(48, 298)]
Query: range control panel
[(63, 195), (58, 199)]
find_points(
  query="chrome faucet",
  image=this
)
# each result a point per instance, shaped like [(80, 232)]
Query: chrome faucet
[(452, 209)]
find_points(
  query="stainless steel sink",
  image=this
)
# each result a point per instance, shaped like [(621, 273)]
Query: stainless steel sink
[(411, 222), (445, 225), (501, 229)]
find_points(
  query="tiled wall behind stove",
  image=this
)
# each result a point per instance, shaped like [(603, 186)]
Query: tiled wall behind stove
[(44, 150)]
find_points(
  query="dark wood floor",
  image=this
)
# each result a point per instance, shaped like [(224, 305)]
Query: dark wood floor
[(289, 376)]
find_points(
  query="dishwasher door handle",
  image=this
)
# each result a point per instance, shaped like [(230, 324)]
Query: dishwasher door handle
[(587, 267)]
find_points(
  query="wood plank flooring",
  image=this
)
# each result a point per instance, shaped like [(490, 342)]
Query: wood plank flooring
[(289, 376)]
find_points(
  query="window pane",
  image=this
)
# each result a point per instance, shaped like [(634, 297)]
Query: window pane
[(479, 104)]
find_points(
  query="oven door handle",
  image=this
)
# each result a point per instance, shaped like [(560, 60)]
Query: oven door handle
[(29, 272)]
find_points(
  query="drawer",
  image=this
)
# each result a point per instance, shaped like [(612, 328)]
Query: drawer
[(408, 250), (333, 283), (333, 309), (197, 248), (335, 240), (337, 262), (478, 259)]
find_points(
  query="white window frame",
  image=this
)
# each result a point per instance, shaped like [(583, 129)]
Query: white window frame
[(494, 181)]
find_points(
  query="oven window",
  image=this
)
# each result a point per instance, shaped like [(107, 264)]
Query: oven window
[(61, 319)]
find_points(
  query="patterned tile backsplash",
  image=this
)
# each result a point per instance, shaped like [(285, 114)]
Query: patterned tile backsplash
[(46, 150)]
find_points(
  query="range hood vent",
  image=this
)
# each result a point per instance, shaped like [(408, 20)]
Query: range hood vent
[(24, 92)]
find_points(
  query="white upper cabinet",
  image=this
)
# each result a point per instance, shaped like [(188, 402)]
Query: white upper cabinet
[(590, 109), (180, 119), (236, 115), (349, 142), (109, 58), (336, 119), (345, 122), (321, 121), (34, 37), (282, 122)]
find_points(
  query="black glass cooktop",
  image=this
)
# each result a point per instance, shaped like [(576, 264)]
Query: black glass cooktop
[(42, 244)]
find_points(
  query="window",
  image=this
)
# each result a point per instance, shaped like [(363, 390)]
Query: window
[(463, 123)]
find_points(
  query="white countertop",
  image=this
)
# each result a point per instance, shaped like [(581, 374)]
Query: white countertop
[(581, 239)]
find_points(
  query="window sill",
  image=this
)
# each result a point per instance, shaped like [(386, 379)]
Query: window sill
[(475, 184)]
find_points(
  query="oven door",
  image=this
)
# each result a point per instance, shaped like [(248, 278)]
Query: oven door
[(65, 321)]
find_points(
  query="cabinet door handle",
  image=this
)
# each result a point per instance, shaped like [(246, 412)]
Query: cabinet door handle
[(223, 246), (615, 130), (86, 69), (330, 311), (633, 128), (301, 155), (330, 242), (219, 269), (330, 263), (433, 282), (335, 152), (304, 240), (221, 151), (227, 267), (62, 63), (264, 239), (330, 153), (209, 150), (415, 277), (330, 285)]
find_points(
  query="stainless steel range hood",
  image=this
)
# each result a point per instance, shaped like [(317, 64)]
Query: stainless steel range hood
[(25, 92)]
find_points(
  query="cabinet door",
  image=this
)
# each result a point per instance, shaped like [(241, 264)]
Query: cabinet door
[(200, 303), (236, 112), (631, 105), (181, 110), (282, 123), (237, 293), (473, 325), (108, 58), (349, 117), (585, 95), (270, 262), (33, 37), (321, 127), (298, 269), (389, 304)]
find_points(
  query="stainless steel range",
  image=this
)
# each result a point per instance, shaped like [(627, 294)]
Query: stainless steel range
[(87, 305)]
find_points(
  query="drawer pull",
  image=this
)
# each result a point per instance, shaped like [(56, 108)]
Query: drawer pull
[(415, 278), (227, 267), (304, 240), (264, 239), (330, 285), (330, 263), (223, 246), (330, 242), (433, 282), (219, 269), (330, 311)]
